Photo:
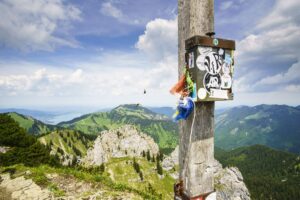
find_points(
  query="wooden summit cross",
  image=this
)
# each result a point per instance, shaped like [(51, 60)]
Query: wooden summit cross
[(210, 63)]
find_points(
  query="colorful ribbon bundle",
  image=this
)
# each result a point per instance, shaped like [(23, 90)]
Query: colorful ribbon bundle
[(186, 88)]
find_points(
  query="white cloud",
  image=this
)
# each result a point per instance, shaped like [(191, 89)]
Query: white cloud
[(290, 75), (293, 88), (272, 50), (160, 39), (111, 78), (41, 82), (99, 80), (32, 24), (109, 9), (284, 13)]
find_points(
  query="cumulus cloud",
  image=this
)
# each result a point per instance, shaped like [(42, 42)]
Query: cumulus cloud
[(160, 39), (95, 80), (283, 13), (272, 50), (289, 76), (32, 24), (114, 77), (39, 82)]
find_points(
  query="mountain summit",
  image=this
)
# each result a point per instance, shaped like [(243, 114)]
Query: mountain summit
[(159, 127)]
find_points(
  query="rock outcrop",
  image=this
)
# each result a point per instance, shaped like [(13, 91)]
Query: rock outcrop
[(23, 189), (4, 149), (228, 181), (121, 142), (170, 161), (70, 188)]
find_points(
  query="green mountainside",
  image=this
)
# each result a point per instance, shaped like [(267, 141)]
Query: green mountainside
[(31, 125), (160, 127), (68, 145), (275, 126), (168, 111), (268, 173)]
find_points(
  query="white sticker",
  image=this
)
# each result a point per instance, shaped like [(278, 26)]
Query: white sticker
[(212, 196), (218, 94), (202, 93), (221, 52), (226, 81), (200, 62), (212, 82), (204, 50), (191, 60), (226, 68)]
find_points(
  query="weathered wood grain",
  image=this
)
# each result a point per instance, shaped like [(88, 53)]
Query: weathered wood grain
[(196, 17)]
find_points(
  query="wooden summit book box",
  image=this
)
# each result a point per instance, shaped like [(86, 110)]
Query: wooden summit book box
[(210, 62)]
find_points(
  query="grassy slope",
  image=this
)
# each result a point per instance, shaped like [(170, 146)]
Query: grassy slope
[(98, 180), (31, 125), (92, 123), (268, 173), (122, 171)]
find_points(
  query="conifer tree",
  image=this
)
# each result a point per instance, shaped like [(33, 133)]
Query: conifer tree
[(148, 155)]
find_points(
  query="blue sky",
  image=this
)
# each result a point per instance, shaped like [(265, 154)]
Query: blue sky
[(103, 53)]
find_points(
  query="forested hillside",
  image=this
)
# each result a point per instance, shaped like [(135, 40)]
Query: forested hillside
[(268, 173), (23, 148), (68, 145), (275, 126)]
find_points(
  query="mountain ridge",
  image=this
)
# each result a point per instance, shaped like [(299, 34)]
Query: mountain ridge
[(271, 125), (30, 124)]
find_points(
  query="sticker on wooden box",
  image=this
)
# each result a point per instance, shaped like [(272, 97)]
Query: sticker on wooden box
[(202, 93), (218, 94), (226, 81)]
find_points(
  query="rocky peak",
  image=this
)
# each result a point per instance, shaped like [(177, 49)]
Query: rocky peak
[(121, 142)]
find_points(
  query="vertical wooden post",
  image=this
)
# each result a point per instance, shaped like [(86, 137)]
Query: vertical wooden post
[(196, 17)]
